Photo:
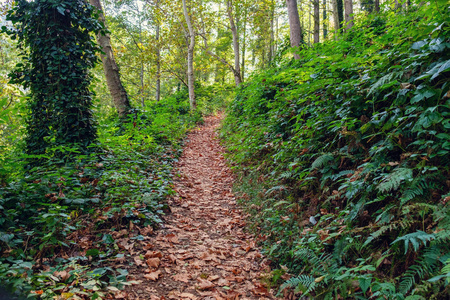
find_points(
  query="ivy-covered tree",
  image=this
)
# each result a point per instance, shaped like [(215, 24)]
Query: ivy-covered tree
[(57, 50)]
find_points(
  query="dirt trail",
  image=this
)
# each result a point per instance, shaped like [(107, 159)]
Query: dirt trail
[(202, 251)]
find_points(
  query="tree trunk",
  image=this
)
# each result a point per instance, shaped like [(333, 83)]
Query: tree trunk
[(316, 21), (336, 24), (324, 14), (190, 69), (348, 14), (376, 4), (118, 93), (272, 33), (237, 66), (340, 10), (158, 65), (294, 25), (243, 47)]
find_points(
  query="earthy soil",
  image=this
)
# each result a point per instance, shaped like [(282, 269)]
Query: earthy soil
[(202, 250)]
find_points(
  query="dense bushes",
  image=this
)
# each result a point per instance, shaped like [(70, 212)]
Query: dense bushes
[(344, 160), (76, 208)]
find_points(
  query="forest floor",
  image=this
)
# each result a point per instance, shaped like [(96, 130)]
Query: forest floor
[(201, 250)]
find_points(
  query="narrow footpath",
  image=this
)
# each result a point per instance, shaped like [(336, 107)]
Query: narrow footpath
[(202, 251)]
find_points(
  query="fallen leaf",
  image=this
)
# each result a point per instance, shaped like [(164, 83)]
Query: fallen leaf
[(213, 277), (188, 295), (172, 238), (181, 277), (153, 262), (63, 274), (204, 284), (150, 254), (138, 261), (153, 275)]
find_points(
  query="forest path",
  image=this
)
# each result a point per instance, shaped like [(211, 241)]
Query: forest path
[(202, 251)]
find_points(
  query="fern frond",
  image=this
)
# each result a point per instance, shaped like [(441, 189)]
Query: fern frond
[(322, 160), (303, 283), (415, 238), (404, 223), (419, 187), (394, 179)]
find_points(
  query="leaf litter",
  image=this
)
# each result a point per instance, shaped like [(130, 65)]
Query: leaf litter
[(201, 250)]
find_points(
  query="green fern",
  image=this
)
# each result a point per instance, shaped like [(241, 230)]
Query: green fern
[(415, 238), (418, 187), (399, 224), (303, 283), (394, 179), (322, 160)]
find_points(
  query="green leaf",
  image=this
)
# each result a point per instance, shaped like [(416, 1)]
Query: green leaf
[(415, 238), (92, 252), (364, 284), (107, 238), (60, 10), (443, 68)]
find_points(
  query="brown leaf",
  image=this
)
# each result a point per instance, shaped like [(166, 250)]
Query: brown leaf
[(153, 275), (213, 277), (172, 258), (172, 238), (138, 261), (188, 295), (204, 284), (63, 274), (153, 262), (184, 277), (150, 254)]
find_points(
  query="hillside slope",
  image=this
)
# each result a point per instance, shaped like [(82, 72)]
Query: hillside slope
[(344, 162)]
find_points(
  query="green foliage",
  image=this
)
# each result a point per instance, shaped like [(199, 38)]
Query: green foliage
[(344, 159), (47, 209), (57, 50)]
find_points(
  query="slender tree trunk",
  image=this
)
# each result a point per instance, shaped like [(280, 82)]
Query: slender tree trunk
[(141, 75), (237, 66), (142, 71), (348, 14), (190, 69), (336, 24), (118, 93), (310, 28), (294, 25), (158, 60), (340, 10), (158, 65), (376, 4), (244, 40), (324, 14), (272, 33), (316, 21)]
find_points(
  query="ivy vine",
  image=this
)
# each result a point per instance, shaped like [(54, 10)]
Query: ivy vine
[(57, 48)]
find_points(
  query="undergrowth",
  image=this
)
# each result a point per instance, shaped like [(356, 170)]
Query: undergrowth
[(62, 224), (343, 158)]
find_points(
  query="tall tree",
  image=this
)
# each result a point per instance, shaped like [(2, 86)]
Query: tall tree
[(237, 67), (324, 14), (118, 92), (348, 14), (336, 24), (58, 52), (295, 29), (316, 4), (340, 12), (190, 39), (158, 57)]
